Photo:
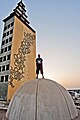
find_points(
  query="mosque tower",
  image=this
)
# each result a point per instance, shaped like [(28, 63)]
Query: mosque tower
[(18, 52)]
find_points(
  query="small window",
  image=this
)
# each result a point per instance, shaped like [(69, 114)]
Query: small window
[(1, 50), (0, 68), (11, 31), (12, 23), (8, 57), (4, 58), (0, 59), (3, 42), (5, 49), (4, 35), (3, 68), (6, 78), (9, 26), (6, 40), (9, 47), (7, 33), (2, 78), (5, 28), (10, 39), (7, 67)]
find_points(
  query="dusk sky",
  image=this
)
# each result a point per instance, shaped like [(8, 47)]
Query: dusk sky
[(57, 24)]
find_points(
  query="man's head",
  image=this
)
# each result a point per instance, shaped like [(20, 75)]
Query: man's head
[(38, 55)]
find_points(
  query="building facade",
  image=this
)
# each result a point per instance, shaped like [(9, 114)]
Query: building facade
[(18, 52)]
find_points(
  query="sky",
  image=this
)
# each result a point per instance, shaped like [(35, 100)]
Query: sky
[(57, 25)]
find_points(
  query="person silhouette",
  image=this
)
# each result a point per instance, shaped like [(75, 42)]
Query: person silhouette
[(39, 66)]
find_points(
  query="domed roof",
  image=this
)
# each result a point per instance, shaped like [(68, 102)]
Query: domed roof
[(41, 99)]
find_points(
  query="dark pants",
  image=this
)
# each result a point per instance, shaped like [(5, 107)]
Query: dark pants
[(39, 68)]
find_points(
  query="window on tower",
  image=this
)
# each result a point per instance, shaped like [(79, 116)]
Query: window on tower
[(9, 47), (6, 40), (8, 57), (3, 42), (12, 24), (0, 68), (5, 49), (0, 59), (10, 39), (11, 31), (3, 68), (1, 50), (4, 35), (4, 58), (2, 78), (9, 26), (6, 78), (7, 33), (5, 28), (7, 67)]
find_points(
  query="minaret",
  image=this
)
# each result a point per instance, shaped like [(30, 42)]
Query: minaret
[(18, 52)]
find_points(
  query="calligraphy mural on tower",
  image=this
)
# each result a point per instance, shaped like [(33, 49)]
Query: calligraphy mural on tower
[(17, 72)]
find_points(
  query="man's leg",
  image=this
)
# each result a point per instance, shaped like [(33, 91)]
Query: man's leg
[(42, 72), (37, 76), (37, 72), (42, 75)]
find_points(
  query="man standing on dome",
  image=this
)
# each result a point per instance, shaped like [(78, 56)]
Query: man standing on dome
[(39, 66)]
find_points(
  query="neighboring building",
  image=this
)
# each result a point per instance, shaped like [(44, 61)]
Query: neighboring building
[(18, 52), (75, 94)]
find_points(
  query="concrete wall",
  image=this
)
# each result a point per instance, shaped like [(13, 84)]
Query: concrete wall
[(23, 55)]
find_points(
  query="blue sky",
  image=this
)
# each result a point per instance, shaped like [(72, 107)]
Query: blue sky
[(57, 23)]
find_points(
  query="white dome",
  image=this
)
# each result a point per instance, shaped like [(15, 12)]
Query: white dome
[(41, 99)]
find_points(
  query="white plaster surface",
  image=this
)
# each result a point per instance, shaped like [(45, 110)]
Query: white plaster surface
[(42, 99)]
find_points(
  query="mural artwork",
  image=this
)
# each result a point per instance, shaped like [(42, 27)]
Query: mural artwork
[(17, 72)]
